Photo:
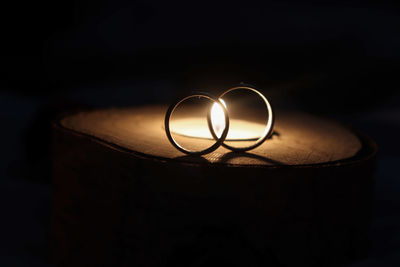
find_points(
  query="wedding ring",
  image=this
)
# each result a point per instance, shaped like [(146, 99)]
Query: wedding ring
[(219, 141), (268, 128)]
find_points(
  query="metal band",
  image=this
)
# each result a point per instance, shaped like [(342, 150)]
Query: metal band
[(219, 141), (268, 128)]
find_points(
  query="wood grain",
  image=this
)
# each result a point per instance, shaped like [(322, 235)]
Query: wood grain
[(303, 139)]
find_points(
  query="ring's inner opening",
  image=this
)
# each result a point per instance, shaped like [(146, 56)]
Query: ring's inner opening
[(194, 128), (188, 124), (248, 117)]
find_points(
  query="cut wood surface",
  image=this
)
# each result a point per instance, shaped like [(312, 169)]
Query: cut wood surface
[(303, 139)]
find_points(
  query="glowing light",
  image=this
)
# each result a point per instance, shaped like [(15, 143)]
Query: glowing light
[(218, 117), (239, 130)]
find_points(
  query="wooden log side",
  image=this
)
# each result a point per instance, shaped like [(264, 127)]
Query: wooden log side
[(118, 200)]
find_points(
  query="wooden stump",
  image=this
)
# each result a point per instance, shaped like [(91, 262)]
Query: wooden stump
[(124, 196)]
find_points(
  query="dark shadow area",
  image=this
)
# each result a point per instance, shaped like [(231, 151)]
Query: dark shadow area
[(225, 158), (232, 155), (339, 59)]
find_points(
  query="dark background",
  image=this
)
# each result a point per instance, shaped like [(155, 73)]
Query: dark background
[(337, 58)]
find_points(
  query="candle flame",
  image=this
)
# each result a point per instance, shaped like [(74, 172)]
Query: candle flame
[(218, 117)]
